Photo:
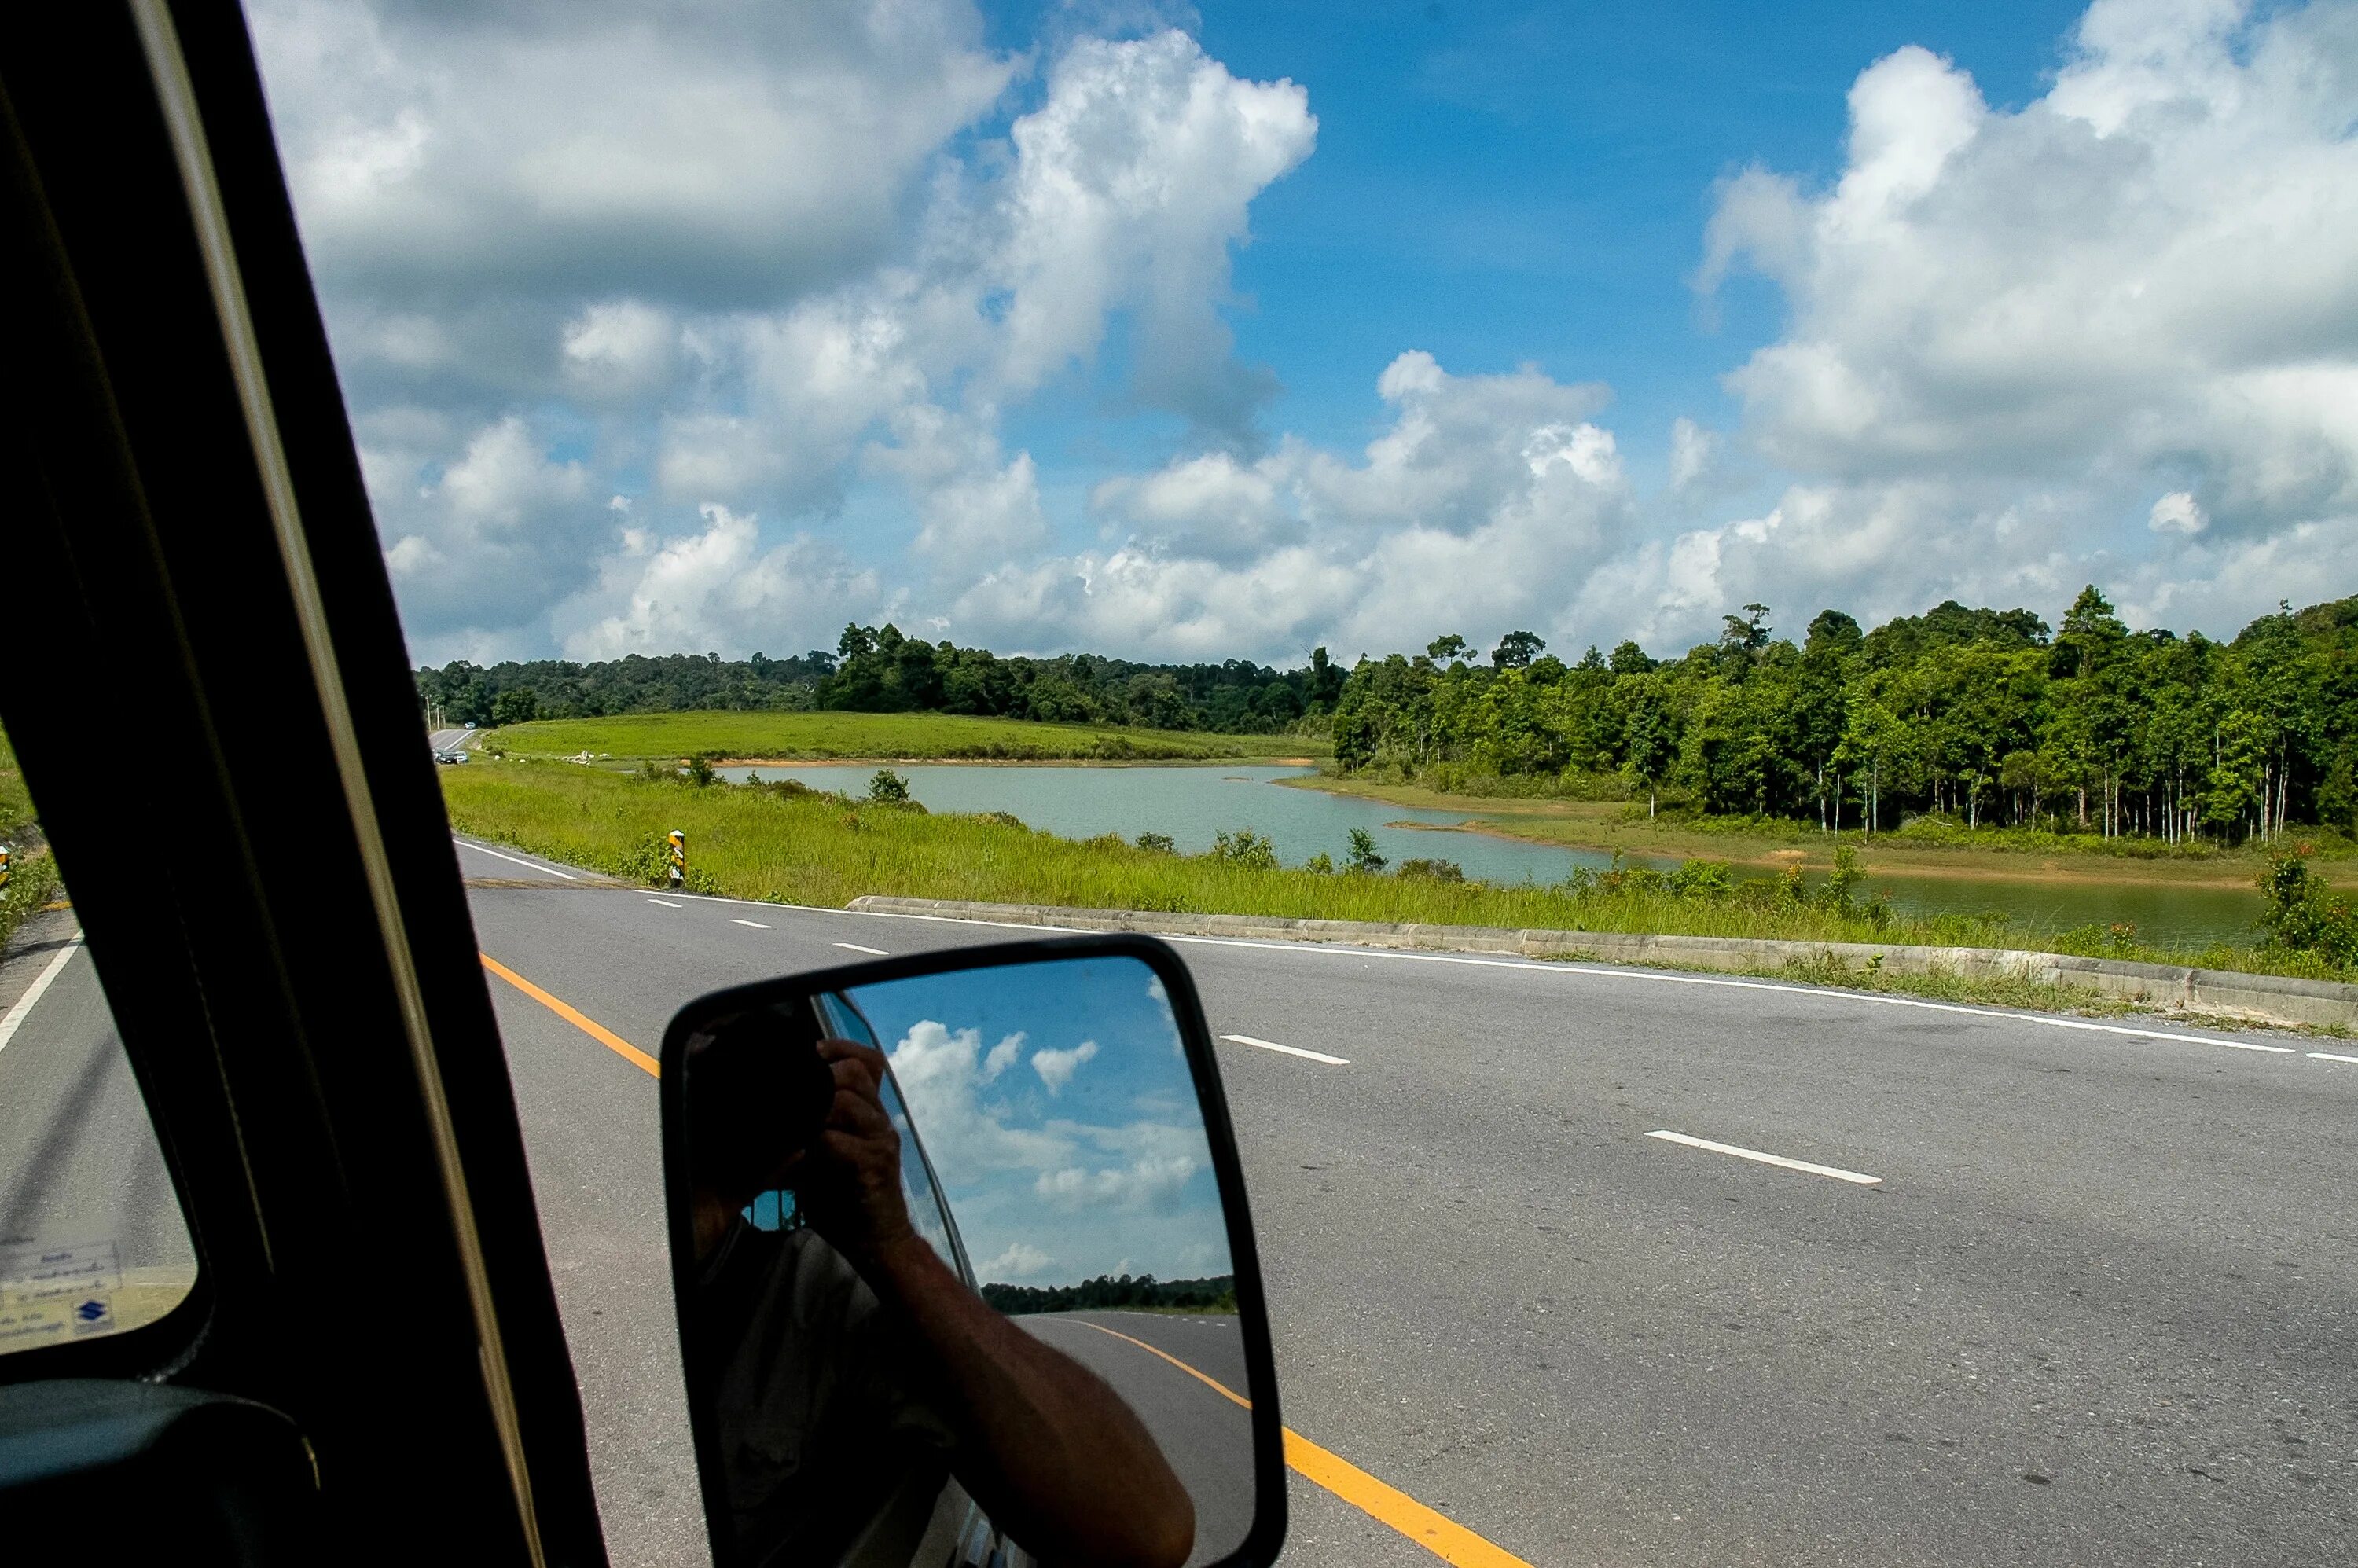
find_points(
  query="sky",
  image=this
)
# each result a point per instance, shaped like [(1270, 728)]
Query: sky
[(1232, 333), (1059, 1117)]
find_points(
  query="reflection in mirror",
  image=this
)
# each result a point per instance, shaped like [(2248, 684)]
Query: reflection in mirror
[(961, 1290)]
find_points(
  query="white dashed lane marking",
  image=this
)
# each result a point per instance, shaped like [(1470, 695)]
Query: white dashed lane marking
[(1777, 1159), (1290, 1050)]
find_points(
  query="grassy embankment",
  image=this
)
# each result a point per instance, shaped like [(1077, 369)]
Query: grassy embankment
[(33, 879), (761, 736), (1927, 848), (823, 850)]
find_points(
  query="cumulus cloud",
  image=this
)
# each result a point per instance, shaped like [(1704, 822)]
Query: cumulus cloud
[(1002, 1057), (718, 585), (1020, 1260), (733, 151), (2177, 512), (2006, 324), (502, 533), (1484, 501), (765, 255), (785, 277), (1693, 451), (1148, 1181), (1056, 1068)]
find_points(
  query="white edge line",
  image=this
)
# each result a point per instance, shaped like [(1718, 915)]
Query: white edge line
[(1343, 950), (754, 924), (2330, 1056), (511, 861), (665, 903), (1660, 977), (18, 1014), (1855, 1177), (871, 952), (1290, 1050)]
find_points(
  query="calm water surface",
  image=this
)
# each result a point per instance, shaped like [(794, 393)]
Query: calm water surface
[(1191, 803)]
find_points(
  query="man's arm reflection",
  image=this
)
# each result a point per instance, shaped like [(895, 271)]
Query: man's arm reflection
[(833, 1353)]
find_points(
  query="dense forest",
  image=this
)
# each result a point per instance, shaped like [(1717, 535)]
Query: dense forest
[(1987, 716), (879, 670), (1982, 715)]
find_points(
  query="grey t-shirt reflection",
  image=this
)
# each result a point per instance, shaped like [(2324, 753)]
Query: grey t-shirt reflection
[(826, 1448)]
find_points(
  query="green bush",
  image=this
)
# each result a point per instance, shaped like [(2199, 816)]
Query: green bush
[(1245, 849), (2302, 914), (1153, 843), (1433, 870), (1364, 858), (888, 788)]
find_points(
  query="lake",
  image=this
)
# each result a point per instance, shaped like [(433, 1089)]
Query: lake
[(1191, 803)]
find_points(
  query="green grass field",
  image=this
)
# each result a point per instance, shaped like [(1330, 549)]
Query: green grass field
[(823, 850), (762, 735)]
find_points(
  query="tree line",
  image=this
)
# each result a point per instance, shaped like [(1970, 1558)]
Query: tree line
[(1216, 1293), (879, 669), (1987, 717)]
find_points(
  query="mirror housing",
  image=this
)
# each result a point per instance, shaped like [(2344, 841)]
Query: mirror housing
[(830, 1372)]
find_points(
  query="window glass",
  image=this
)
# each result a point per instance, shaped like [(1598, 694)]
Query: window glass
[(93, 1241)]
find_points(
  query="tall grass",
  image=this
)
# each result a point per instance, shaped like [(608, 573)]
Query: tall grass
[(826, 849), (33, 877), (768, 736)]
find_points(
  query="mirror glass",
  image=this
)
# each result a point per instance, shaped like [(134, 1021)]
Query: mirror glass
[(957, 1285)]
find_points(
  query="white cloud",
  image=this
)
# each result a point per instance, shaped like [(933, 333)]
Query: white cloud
[(1131, 183), (1140, 1184), (2177, 512), (1002, 1057), (594, 148), (750, 243), (1693, 450), (1056, 1068), (784, 276), (502, 533), (1484, 504), (2007, 316), (715, 586), (619, 349), (1020, 1259)]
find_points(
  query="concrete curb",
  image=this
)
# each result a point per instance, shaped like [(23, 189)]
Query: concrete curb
[(2266, 998)]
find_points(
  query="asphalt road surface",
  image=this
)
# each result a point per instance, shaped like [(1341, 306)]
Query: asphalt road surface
[(2046, 1291)]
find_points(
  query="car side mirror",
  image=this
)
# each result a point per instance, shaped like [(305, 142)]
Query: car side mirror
[(964, 1269)]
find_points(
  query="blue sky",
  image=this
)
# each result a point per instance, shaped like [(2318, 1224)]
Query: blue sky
[(1235, 331), (1055, 1106), (1502, 184)]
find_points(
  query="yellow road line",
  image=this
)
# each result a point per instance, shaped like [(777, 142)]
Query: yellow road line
[(582, 1021), (1437, 1533)]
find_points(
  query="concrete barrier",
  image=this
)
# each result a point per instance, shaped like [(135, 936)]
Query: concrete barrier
[(2265, 999)]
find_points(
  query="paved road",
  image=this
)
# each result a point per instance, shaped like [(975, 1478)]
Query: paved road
[(80, 1168), (2097, 1309)]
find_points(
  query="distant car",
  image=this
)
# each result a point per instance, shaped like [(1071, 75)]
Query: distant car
[(470, 726), (449, 756)]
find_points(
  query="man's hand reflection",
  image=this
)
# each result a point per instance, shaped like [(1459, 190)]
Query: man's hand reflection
[(850, 1182), (1051, 1452)]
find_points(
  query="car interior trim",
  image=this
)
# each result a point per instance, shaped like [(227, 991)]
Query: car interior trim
[(176, 95)]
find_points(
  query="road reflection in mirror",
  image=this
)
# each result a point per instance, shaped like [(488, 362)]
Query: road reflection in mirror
[(961, 1282)]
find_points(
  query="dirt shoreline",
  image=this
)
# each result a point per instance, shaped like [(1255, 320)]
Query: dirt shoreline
[(1582, 825)]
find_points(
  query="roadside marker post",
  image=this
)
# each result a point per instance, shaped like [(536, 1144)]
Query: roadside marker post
[(4, 853), (678, 857)]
